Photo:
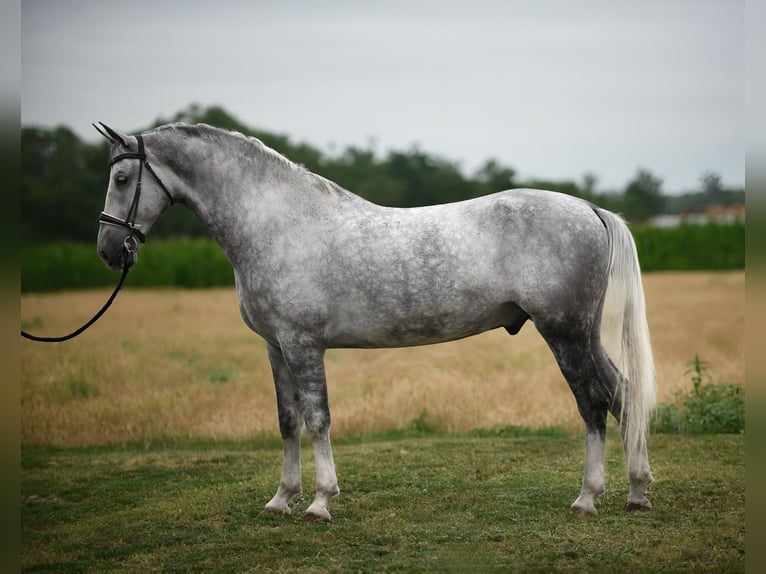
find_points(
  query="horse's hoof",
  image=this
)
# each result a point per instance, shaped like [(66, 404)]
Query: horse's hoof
[(274, 511), (632, 506), (320, 515), (583, 511)]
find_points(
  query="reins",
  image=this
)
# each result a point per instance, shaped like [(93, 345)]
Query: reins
[(131, 243), (95, 317)]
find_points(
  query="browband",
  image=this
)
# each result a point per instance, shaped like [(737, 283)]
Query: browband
[(140, 154)]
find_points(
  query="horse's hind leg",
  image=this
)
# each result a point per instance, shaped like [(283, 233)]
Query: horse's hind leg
[(639, 473), (593, 397), (290, 425)]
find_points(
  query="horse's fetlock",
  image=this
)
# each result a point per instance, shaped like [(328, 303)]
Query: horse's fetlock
[(332, 491), (290, 491)]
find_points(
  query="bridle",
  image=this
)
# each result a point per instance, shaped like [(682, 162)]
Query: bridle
[(136, 235), (132, 240)]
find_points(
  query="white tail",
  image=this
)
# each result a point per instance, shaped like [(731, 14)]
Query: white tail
[(633, 355)]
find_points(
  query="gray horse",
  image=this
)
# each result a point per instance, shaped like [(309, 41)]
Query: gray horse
[(318, 267)]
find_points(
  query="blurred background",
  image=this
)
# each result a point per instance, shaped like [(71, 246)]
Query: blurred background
[(637, 107)]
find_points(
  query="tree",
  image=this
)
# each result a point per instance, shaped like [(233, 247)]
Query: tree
[(711, 182), (495, 176), (643, 197)]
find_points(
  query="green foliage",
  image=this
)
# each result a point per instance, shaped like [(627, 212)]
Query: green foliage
[(708, 408), (715, 409), (190, 263), (195, 263), (63, 183), (643, 197), (64, 180), (691, 247), (420, 425), (62, 266)]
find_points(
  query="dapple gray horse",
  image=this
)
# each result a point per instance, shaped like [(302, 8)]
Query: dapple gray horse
[(318, 267)]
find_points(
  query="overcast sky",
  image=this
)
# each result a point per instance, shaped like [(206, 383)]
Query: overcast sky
[(555, 89)]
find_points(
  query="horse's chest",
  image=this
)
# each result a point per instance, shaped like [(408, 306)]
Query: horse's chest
[(258, 311)]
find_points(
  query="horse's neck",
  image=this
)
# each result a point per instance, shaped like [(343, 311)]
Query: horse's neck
[(238, 200)]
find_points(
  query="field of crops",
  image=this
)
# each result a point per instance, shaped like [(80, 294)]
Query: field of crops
[(170, 363)]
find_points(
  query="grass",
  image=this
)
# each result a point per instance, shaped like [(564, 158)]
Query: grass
[(166, 364), (419, 503), (150, 444)]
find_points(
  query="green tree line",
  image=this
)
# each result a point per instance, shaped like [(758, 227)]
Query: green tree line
[(64, 179)]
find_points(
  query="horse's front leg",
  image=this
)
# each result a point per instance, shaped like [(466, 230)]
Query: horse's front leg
[(306, 367), (290, 425)]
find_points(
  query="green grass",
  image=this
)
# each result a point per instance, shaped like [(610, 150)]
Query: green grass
[(417, 502)]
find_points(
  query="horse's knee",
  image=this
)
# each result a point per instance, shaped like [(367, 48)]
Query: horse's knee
[(315, 411), (317, 421), (290, 422), (317, 427)]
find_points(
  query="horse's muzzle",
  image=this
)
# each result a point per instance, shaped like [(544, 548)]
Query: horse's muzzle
[(116, 256)]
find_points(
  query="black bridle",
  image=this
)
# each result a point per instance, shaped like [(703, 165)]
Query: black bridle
[(129, 246), (130, 219)]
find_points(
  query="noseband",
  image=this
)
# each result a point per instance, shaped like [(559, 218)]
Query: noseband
[(136, 235)]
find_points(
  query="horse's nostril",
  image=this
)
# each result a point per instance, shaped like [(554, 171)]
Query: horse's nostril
[(103, 255)]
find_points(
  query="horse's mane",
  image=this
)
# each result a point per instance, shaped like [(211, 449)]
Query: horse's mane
[(255, 147)]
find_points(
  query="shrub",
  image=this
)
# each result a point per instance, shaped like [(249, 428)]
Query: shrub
[(708, 408), (188, 263), (691, 247)]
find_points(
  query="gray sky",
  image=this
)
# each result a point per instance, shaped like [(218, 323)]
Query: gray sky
[(553, 88)]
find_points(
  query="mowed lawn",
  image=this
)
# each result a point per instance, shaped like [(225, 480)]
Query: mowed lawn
[(419, 504), (150, 444)]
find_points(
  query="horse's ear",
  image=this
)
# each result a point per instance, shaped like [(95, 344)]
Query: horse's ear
[(103, 133), (110, 134)]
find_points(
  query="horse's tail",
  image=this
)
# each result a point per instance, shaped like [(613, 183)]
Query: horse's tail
[(633, 354)]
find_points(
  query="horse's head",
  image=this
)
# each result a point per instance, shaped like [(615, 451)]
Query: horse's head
[(135, 199)]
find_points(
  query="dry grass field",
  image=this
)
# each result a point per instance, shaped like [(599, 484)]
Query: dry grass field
[(166, 364)]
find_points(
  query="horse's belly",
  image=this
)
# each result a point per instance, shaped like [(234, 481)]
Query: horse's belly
[(383, 331)]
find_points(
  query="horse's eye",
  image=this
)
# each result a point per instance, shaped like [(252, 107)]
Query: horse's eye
[(121, 179)]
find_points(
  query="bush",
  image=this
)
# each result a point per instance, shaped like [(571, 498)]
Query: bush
[(715, 409), (189, 263), (194, 263), (709, 408), (691, 247)]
